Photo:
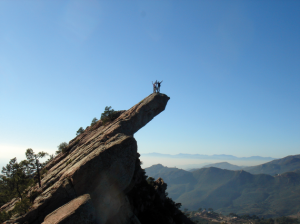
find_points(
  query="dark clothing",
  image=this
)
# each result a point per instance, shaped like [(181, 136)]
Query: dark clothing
[(158, 86)]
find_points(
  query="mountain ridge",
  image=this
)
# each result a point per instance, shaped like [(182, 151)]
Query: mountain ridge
[(237, 191), (278, 166), (202, 156), (224, 165)]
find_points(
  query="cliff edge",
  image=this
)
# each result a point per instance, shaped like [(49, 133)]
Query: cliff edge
[(99, 179)]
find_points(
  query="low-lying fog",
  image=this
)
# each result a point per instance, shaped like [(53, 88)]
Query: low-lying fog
[(187, 164)]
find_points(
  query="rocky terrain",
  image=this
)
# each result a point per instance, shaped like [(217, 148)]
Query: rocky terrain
[(99, 178)]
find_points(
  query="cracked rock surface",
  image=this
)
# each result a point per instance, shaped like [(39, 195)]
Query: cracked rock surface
[(91, 179)]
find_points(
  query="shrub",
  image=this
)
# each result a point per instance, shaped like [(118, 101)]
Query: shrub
[(4, 216), (22, 207), (80, 131), (150, 181), (108, 115), (94, 121), (62, 147)]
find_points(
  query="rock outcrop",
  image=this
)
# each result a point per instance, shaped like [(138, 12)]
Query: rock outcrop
[(94, 180), (79, 210)]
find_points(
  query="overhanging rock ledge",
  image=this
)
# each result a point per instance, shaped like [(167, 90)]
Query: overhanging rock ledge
[(94, 175)]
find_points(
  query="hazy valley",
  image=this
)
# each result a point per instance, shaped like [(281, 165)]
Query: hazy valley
[(196, 161), (271, 189)]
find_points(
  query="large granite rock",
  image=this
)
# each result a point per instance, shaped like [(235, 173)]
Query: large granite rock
[(100, 163), (78, 211)]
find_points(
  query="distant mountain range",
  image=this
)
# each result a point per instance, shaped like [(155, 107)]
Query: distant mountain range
[(237, 191), (208, 157), (225, 165), (278, 166)]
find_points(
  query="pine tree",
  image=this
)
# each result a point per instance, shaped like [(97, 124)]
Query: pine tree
[(62, 147), (80, 131), (94, 121), (108, 114), (15, 178), (34, 162)]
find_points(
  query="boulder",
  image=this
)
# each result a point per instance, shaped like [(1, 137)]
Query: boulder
[(78, 211), (95, 173)]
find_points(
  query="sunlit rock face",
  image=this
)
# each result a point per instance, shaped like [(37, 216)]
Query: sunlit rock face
[(79, 210), (92, 178)]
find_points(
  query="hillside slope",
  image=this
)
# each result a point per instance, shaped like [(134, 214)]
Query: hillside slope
[(278, 166), (224, 165), (236, 191)]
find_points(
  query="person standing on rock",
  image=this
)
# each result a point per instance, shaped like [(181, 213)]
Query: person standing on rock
[(154, 87), (158, 86)]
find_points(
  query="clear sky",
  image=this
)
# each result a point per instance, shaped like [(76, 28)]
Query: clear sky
[(231, 69)]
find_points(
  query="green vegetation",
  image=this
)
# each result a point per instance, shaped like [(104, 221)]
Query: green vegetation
[(34, 164), (15, 180), (5, 216), (108, 115), (232, 191), (80, 131), (62, 148), (22, 206), (94, 121)]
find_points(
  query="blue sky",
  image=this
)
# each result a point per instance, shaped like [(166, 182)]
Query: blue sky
[(231, 69)]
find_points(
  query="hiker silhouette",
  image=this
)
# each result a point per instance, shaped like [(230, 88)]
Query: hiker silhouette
[(154, 86), (158, 86)]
